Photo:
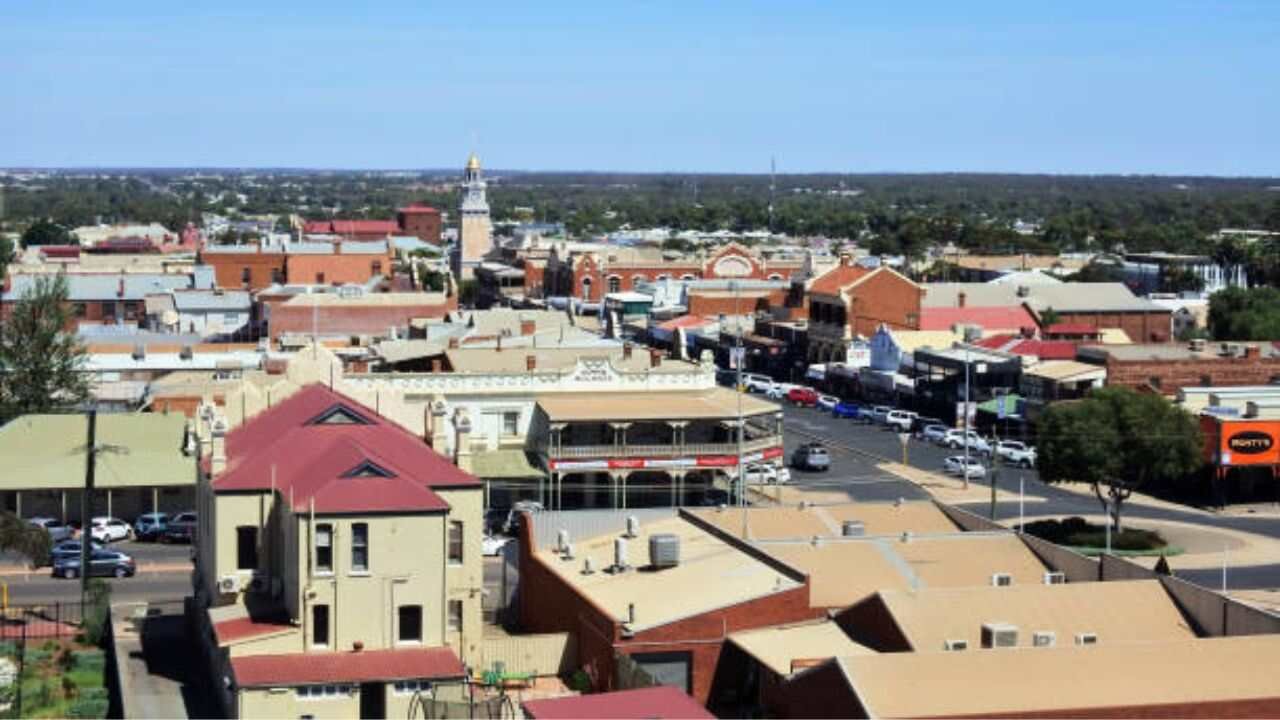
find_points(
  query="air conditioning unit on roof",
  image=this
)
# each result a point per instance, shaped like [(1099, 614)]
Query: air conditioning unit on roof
[(228, 584), (1054, 578)]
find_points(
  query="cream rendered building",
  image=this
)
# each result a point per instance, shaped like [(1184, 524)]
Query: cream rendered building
[(475, 230), (338, 563)]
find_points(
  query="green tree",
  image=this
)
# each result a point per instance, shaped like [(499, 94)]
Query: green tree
[(39, 359), (46, 232), (1240, 314), (1118, 440), (1179, 280), (18, 535), (6, 255)]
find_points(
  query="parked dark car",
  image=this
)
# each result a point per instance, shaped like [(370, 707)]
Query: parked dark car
[(150, 526), (180, 528), (102, 563), (69, 549), (846, 410)]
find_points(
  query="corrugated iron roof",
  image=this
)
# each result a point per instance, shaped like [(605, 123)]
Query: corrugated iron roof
[(661, 702), (313, 668)]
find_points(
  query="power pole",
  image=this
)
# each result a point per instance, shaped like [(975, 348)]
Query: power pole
[(86, 505)]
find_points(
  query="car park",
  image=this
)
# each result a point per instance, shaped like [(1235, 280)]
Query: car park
[(780, 390), (109, 529), (880, 414), (57, 529), (149, 526), (757, 383), (1017, 453), (970, 467), (847, 410), (828, 402), (955, 439), (180, 528), (102, 563), (900, 420), (934, 433), (811, 456), (806, 397), (921, 422)]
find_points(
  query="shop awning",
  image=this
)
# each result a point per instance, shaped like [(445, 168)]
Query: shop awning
[(503, 465)]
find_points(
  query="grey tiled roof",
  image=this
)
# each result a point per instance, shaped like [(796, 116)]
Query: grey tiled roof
[(87, 288)]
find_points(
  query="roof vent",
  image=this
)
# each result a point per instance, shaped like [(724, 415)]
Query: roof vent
[(1001, 580), (588, 567), (562, 539), (1054, 578), (853, 528), (619, 555), (906, 536), (664, 550), (1044, 638), (139, 351), (568, 551), (633, 526), (999, 635), (1023, 291), (955, 645), (1086, 639), (185, 353)]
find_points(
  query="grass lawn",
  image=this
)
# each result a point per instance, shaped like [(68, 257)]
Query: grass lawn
[(61, 679)]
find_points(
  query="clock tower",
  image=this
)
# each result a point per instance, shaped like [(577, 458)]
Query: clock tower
[(475, 230)]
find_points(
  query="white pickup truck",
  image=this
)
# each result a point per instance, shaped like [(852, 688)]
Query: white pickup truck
[(1018, 453)]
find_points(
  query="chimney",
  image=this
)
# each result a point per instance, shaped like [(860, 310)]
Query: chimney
[(846, 259), (626, 351), (453, 343), (527, 326), (499, 346), (655, 358), (530, 362), (218, 456), (960, 299), (439, 427), (1252, 352), (462, 444)]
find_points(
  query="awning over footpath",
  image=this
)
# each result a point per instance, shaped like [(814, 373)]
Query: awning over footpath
[(712, 404)]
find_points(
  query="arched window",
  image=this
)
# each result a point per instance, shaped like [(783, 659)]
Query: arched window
[(615, 284), (636, 280), (586, 289), (688, 276), (663, 277), (775, 276)]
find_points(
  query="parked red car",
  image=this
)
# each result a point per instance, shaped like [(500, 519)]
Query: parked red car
[(803, 396)]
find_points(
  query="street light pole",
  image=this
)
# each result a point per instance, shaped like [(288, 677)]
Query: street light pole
[(742, 426), (965, 473)]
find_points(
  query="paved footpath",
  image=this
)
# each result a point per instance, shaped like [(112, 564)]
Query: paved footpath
[(144, 693)]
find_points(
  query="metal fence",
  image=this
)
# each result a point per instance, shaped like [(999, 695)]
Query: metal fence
[(41, 621)]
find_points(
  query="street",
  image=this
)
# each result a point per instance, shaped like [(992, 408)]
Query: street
[(164, 573)]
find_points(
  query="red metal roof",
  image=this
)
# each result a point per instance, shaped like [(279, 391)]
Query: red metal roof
[(1046, 349), (314, 668), (838, 278), (369, 465), (351, 227), (60, 251), (661, 701), (229, 631), (1005, 317), (996, 342)]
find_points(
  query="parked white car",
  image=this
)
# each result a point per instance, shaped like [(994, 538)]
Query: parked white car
[(828, 402), (934, 433), (880, 414), (970, 467), (955, 439), (109, 529), (900, 420), (1016, 453), (760, 474), (779, 390), (757, 383)]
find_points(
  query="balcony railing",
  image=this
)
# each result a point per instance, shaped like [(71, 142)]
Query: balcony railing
[(583, 452)]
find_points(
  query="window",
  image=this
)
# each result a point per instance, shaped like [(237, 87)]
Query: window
[(320, 625), (79, 309), (410, 623), (455, 616), (409, 687), (376, 267), (455, 541), (510, 423), (1154, 381), (359, 547), (324, 548), (247, 547), (230, 318), (615, 284), (277, 276), (321, 692), (320, 278), (246, 275)]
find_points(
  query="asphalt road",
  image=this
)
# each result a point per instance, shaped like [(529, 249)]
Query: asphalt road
[(855, 448), (164, 573)]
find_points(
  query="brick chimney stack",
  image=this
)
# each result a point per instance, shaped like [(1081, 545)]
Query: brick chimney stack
[(626, 350), (655, 358), (960, 299), (527, 326), (1252, 352), (530, 362)]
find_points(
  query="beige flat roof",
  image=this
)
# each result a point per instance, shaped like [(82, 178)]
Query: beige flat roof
[(712, 574), (712, 404), (1118, 612), (368, 299), (515, 359), (791, 522), (1063, 369), (1065, 678), (778, 647), (842, 572)]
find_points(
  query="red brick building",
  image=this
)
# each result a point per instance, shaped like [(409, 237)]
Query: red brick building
[(253, 268), (352, 229), (1164, 368), (849, 300), (334, 315), (589, 275), (420, 221), (670, 622)]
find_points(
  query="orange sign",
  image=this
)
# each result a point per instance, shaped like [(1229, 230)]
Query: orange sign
[(1249, 443)]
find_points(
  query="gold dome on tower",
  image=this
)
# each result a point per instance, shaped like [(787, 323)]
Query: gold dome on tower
[(473, 162)]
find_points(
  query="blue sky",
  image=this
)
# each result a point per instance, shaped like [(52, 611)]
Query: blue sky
[(1072, 87)]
